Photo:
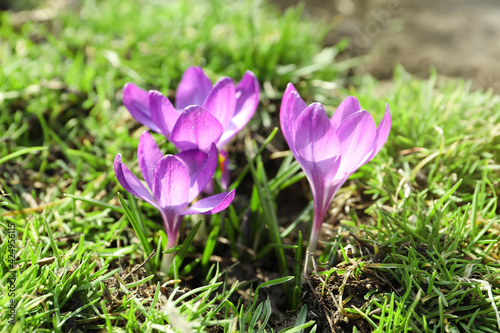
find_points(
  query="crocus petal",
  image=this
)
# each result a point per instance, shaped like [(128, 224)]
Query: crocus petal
[(163, 113), (247, 100), (357, 135), (136, 101), (221, 101), (201, 167), (383, 130), (196, 128), (316, 145), (211, 205), (193, 88), (131, 183), (171, 186), (291, 106), (317, 150), (193, 159), (347, 107), (148, 155)]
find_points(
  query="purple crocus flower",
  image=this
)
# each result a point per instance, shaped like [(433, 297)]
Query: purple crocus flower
[(174, 181), (329, 150), (226, 108)]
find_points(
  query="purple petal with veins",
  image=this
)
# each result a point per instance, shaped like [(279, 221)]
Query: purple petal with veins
[(347, 107), (221, 101), (357, 135), (201, 168), (193, 88), (212, 204), (171, 186), (383, 130), (131, 183), (291, 106), (148, 155), (196, 128), (316, 145), (247, 100), (136, 101), (163, 113)]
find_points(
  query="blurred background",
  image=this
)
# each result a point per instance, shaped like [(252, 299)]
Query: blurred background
[(459, 38)]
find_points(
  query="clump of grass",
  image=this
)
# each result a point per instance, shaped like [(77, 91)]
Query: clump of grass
[(427, 246), (427, 270)]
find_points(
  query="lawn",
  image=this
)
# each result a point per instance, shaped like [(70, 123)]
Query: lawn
[(411, 242)]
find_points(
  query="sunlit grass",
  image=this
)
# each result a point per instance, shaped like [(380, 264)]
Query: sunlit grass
[(421, 219)]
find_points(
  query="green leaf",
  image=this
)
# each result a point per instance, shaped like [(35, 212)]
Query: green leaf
[(21, 152), (138, 230)]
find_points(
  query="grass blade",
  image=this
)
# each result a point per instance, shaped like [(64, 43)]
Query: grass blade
[(138, 230)]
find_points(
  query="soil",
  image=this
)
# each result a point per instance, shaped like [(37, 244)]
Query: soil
[(458, 38), (325, 297)]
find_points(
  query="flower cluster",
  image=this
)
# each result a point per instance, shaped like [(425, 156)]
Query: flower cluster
[(204, 120), (173, 181), (203, 114)]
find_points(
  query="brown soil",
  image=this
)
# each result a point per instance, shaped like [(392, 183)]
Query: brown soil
[(459, 38), (324, 298)]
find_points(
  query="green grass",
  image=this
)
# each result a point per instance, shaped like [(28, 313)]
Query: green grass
[(421, 219), (434, 222)]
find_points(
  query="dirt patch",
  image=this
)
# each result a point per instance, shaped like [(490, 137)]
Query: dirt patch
[(334, 301), (457, 37)]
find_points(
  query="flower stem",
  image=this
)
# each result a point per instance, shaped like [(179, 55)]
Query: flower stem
[(319, 217), (168, 258)]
